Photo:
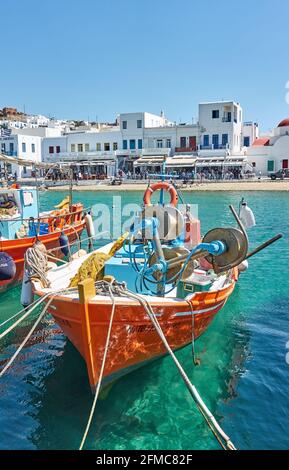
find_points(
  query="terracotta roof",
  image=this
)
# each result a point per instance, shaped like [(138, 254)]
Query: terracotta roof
[(284, 123), (261, 142)]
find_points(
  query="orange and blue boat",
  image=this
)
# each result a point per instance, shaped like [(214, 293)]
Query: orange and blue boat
[(162, 270), (21, 224)]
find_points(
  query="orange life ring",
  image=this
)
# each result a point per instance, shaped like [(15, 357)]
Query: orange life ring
[(162, 185)]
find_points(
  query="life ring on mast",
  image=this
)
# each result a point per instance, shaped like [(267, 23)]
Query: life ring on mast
[(158, 186)]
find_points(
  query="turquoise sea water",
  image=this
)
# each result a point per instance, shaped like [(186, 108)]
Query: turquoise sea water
[(243, 377)]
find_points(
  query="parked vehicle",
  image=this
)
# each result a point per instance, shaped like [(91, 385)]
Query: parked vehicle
[(280, 174)]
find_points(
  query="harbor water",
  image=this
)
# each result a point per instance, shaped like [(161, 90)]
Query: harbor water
[(243, 377)]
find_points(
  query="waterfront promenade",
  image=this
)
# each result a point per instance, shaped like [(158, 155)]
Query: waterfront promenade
[(240, 185)]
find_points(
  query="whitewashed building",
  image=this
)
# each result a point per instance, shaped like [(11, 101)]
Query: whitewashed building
[(139, 141), (270, 153), (24, 144)]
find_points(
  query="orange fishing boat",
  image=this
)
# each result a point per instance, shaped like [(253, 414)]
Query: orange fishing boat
[(21, 224), (134, 341), (116, 302)]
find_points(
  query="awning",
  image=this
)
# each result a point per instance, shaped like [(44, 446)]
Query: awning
[(149, 160), (23, 162), (85, 163), (228, 162), (180, 161)]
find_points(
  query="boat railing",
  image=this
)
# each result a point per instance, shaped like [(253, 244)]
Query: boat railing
[(45, 217), (93, 237)]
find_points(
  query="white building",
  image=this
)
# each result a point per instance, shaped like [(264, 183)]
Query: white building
[(271, 153), (220, 126), (25, 144), (24, 147), (250, 133), (140, 140)]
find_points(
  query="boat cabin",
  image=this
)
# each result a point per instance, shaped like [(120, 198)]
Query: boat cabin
[(16, 207)]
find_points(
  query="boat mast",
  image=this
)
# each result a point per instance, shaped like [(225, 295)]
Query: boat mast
[(70, 187), (37, 196)]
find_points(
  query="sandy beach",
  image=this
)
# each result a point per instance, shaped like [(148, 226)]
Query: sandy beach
[(259, 185)]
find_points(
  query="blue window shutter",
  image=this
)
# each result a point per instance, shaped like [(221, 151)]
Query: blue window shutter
[(124, 144), (215, 140), (132, 144), (246, 141), (139, 143), (224, 139)]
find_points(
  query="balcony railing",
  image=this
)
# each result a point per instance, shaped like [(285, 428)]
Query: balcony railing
[(214, 147), (145, 151), (9, 153), (80, 156), (185, 149)]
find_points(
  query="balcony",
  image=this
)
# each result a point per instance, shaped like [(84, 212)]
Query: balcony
[(9, 153), (80, 156), (144, 151), (214, 147), (185, 149), (226, 119)]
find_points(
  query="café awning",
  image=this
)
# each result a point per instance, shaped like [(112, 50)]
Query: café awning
[(180, 161), (149, 160)]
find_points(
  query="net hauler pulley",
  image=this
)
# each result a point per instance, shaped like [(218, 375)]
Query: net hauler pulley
[(223, 248)]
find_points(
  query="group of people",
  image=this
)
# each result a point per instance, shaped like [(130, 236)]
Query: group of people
[(187, 175)]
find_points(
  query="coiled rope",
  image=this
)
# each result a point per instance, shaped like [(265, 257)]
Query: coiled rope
[(36, 263)]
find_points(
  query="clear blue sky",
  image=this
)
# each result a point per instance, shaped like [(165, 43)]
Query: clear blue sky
[(80, 58)]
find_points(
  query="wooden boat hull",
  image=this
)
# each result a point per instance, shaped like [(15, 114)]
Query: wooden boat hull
[(134, 340), (17, 248)]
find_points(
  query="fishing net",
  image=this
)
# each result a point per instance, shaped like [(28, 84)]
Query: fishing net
[(93, 266)]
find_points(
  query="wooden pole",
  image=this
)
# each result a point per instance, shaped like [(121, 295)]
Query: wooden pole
[(86, 290)]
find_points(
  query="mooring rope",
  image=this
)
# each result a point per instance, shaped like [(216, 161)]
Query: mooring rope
[(13, 326), (18, 313), (211, 421), (101, 370), (19, 349)]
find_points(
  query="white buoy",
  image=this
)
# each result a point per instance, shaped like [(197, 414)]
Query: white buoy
[(27, 296), (89, 225), (242, 267)]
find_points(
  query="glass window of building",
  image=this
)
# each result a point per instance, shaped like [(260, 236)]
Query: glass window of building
[(51, 149), (106, 147), (124, 124), (80, 147), (124, 144), (215, 114), (159, 143), (139, 124), (132, 144), (114, 146), (24, 147), (139, 144), (33, 148), (98, 147), (86, 147)]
